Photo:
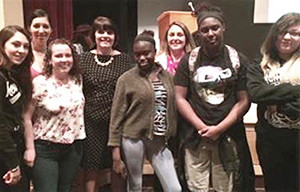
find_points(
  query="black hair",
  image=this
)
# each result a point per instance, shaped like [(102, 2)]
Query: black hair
[(146, 35)]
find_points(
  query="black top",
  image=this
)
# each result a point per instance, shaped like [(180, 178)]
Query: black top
[(99, 83), (213, 87), (11, 99), (285, 96)]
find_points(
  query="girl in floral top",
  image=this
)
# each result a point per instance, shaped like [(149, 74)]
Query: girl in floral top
[(54, 147)]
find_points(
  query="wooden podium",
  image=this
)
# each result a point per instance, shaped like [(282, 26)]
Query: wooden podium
[(167, 17)]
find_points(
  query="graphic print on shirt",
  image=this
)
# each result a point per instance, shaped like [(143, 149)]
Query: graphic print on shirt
[(12, 92), (211, 82), (160, 123), (272, 115)]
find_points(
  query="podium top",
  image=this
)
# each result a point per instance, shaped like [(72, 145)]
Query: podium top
[(174, 13)]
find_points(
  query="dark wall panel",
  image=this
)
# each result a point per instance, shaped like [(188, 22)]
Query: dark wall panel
[(122, 12), (241, 32)]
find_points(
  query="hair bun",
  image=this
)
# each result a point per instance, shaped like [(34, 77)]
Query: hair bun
[(206, 9), (148, 33), (206, 6)]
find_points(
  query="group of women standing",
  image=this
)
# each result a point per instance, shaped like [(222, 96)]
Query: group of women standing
[(58, 102), (103, 111)]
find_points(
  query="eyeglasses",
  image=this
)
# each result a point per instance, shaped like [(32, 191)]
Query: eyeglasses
[(293, 34)]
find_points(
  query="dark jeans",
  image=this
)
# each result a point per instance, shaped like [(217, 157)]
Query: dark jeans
[(55, 166), (278, 152), (23, 184)]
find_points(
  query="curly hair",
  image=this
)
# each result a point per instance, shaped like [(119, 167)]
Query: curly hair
[(48, 68)]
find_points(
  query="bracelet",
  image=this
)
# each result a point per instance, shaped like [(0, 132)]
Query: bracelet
[(15, 169)]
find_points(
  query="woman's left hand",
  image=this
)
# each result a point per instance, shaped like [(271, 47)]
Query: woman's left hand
[(119, 168)]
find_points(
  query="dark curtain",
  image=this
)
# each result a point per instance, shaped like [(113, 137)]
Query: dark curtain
[(60, 11), (122, 12)]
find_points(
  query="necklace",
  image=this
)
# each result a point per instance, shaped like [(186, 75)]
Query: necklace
[(103, 63)]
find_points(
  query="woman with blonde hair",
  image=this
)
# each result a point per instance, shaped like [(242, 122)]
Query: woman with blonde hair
[(273, 84), (177, 42)]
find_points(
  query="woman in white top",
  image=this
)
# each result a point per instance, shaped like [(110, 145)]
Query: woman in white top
[(53, 146), (177, 42)]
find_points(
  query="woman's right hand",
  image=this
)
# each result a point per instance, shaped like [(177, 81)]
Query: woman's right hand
[(29, 157), (12, 177), (119, 167)]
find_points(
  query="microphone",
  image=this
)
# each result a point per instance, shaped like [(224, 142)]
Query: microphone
[(191, 6)]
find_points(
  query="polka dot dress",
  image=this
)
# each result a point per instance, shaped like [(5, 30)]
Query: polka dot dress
[(98, 87)]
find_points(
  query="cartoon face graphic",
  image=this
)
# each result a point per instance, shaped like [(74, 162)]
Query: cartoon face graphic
[(210, 83)]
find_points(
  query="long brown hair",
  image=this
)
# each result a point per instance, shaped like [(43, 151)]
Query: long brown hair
[(271, 59), (21, 72), (269, 45)]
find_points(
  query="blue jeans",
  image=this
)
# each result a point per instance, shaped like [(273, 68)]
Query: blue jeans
[(55, 166)]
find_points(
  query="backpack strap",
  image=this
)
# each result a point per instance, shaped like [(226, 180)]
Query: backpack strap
[(233, 55), (234, 58), (193, 58)]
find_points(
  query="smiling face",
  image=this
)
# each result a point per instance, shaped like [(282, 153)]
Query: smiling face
[(61, 59), (288, 42), (176, 38), (211, 33), (16, 48), (144, 54), (104, 38), (40, 29)]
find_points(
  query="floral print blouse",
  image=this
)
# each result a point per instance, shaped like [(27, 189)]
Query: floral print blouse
[(58, 116)]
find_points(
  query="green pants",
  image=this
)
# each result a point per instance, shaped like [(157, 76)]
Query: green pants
[(55, 166)]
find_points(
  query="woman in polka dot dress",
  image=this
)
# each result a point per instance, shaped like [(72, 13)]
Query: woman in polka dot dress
[(101, 68)]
